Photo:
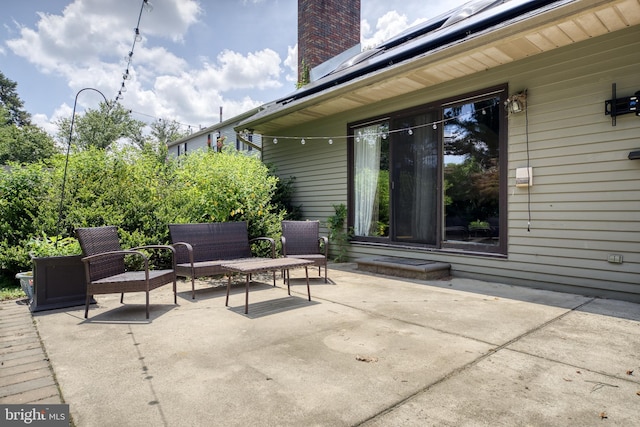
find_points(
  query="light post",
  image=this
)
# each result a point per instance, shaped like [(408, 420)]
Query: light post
[(66, 164)]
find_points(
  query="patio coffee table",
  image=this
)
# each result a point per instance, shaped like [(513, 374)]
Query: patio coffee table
[(263, 265)]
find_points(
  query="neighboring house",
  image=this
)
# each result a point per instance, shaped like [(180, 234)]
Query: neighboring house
[(415, 139), (222, 132)]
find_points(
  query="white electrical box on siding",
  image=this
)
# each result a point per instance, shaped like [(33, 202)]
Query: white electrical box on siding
[(524, 177)]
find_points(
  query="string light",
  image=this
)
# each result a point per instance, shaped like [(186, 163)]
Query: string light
[(146, 5), (126, 75), (384, 134)]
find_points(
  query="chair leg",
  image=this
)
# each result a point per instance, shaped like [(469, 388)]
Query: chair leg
[(147, 292), (175, 292), (86, 305), (288, 282), (193, 287), (325, 273), (306, 272), (226, 303), (246, 296), (122, 298)]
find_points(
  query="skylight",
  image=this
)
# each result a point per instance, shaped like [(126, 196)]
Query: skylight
[(469, 9)]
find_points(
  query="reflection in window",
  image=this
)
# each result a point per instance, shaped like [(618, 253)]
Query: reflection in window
[(471, 174)]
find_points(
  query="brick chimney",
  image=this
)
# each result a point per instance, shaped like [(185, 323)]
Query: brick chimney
[(326, 28)]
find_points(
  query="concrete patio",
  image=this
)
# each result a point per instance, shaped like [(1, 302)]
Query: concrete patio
[(367, 350)]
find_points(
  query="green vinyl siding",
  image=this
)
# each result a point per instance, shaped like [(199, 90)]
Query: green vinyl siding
[(585, 201)]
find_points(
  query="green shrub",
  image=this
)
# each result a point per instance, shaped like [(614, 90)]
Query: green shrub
[(135, 191), (221, 187), (337, 233), (45, 246)]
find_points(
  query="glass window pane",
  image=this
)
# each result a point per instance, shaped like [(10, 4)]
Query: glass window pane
[(471, 174), (414, 147)]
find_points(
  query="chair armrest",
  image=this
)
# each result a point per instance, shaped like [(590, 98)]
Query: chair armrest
[(325, 244), (271, 242), (168, 247), (283, 240), (187, 246), (160, 247)]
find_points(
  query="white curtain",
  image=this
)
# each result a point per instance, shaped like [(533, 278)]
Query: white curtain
[(424, 197), (368, 142)]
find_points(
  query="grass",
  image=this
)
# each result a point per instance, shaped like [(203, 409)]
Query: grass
[(10, 289)]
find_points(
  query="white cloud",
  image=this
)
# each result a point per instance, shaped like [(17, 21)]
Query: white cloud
[(172, 19), (387, 26), (158, 61), (48, 124), (291, 62), (87, 45), (259, 70), (94, 31), (42, 121)]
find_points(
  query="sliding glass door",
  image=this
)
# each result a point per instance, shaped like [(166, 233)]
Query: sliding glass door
[(414, 185), (433, 176)]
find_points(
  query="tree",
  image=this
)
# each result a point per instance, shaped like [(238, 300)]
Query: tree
[(10, 100), (162, 133), (101, 128), (165, 132), (23, 144)]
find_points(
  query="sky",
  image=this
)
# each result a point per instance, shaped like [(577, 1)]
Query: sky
[(195, 56)]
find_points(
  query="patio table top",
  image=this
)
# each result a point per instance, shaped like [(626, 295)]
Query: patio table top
[(256, 265)]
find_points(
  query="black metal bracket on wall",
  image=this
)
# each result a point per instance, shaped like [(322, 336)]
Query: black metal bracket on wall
[(618, 106)]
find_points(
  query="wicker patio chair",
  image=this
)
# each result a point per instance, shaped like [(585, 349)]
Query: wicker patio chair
[(105, 267), (301, 239)]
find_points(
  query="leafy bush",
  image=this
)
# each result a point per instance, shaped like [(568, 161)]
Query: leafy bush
[(282, 198), (46, 246), (337, 233), (135, 191), (25, 210), (220, 187)]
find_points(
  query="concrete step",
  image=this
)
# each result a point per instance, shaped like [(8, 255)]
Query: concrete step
[(405, 267)]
